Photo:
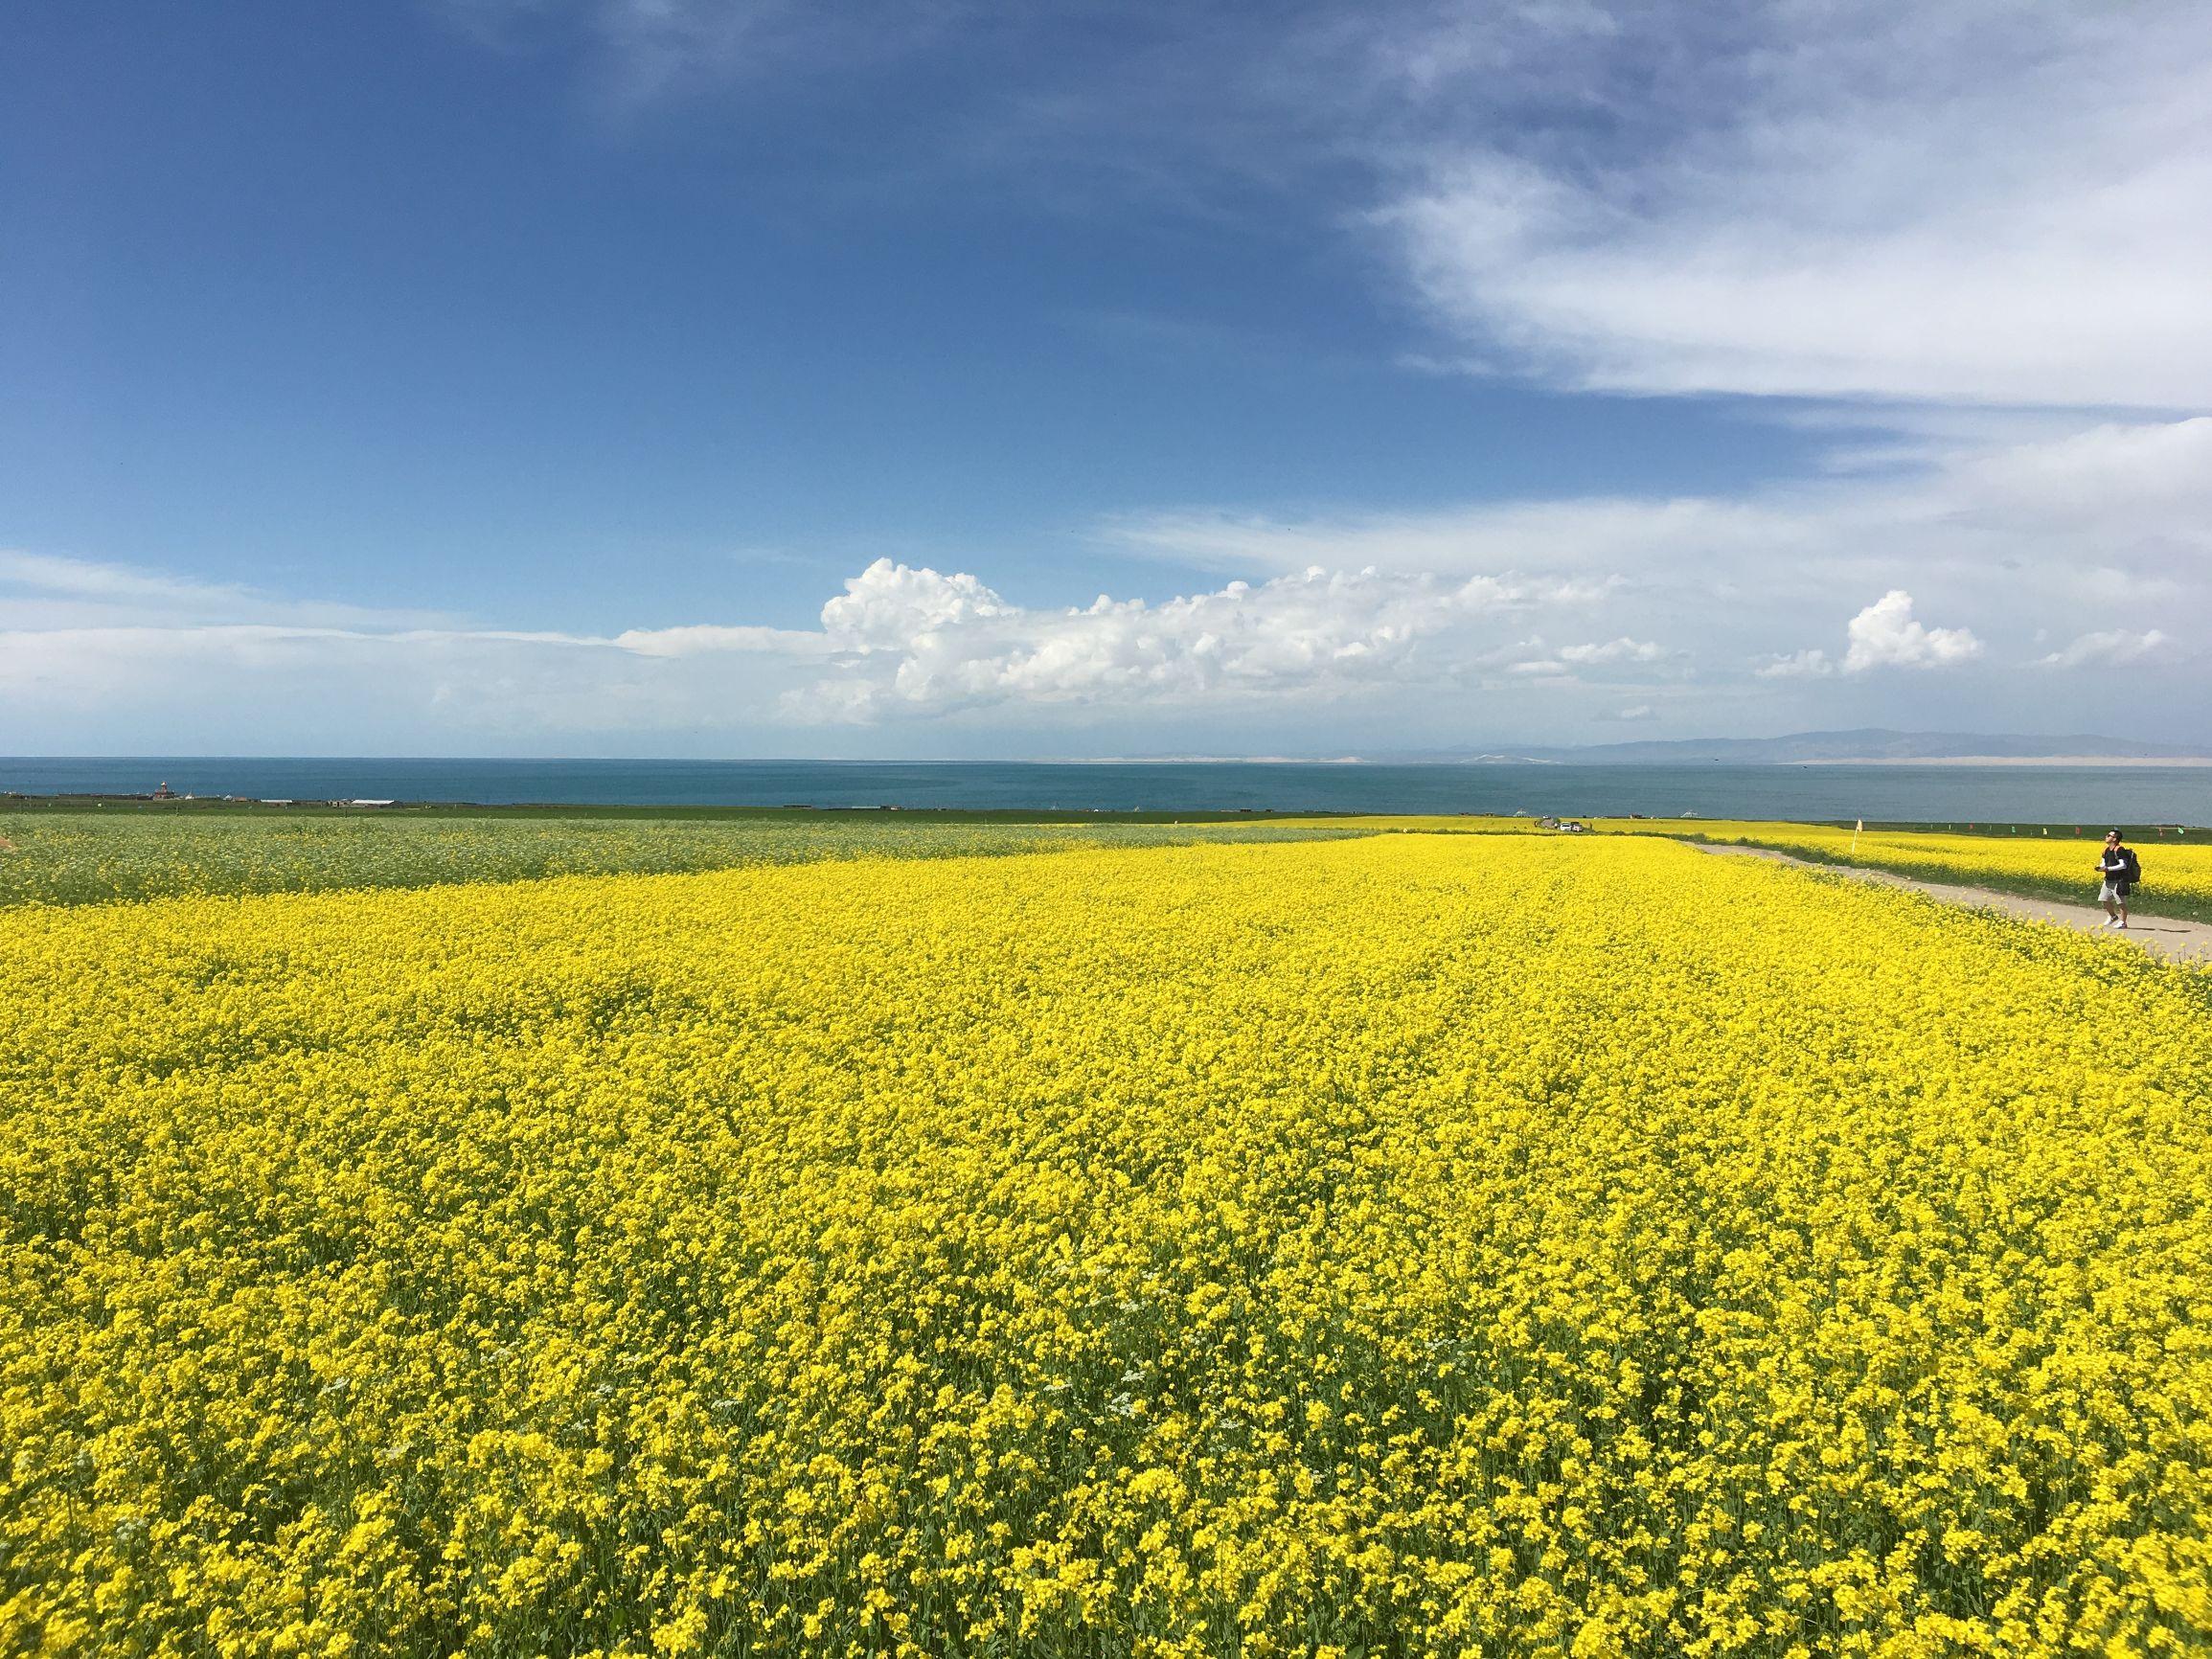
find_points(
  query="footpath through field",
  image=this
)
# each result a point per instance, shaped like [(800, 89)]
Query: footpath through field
[(2165, 936)]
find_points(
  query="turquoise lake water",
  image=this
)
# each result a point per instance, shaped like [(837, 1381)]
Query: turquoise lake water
[(1922, 794)]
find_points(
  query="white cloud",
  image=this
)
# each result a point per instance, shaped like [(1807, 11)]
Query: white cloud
[(1806, 665), (1975, 202), (701, 639), (54, 590), (1983, 201), (646, 50), (1633, 712), (1424, 626), (888, 605), (2069, 530), (899, 643), (89, 578), (1563, 665), (1592, 533), (2112, 647), (260, 688), (924, 643), (2111, 509), (1622, 650), (1885, 635)]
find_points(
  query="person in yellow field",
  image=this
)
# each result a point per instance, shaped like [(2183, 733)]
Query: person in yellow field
[(2120, 872)]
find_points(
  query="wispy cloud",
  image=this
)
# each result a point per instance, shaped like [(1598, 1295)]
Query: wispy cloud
[(644, 52), (2113, 518), (1620, 650), (706, 639), (51, 590), (2031, 530), (1575, 663), (1983, 202), (1811, 664), (2111, 648)]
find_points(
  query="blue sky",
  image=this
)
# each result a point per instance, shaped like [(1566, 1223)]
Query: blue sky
[(715, 376)]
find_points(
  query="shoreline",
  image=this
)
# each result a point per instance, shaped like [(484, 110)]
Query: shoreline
[(2098, 763)]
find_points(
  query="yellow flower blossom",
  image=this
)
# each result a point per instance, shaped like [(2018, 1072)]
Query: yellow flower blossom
[(1421, 1244)]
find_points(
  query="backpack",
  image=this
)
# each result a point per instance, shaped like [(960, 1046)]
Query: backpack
[(2130, 867)]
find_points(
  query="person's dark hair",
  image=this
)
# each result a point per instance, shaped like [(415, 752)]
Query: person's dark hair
[(2117, 836)]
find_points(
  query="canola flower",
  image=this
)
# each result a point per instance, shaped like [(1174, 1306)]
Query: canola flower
[(1413, 1244), (2177, 869), (86, 856)]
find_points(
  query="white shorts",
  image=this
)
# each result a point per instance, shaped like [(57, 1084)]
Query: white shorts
[(2112, 893)]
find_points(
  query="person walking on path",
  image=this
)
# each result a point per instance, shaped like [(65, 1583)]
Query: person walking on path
[(2117, 864)]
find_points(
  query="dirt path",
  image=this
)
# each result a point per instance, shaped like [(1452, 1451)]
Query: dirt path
[(2160, 935)]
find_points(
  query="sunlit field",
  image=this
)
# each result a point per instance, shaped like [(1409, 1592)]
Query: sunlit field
[(84, 855), (2177, 866), (1415, 1243), (75, 856)]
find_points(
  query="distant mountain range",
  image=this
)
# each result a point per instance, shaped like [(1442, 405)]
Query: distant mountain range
[(1832, 748)]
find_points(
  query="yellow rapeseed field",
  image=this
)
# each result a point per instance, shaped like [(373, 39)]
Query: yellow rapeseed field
[(2176, 869), (1414, 1245)]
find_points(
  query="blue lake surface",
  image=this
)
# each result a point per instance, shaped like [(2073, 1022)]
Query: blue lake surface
[(1923, 794)]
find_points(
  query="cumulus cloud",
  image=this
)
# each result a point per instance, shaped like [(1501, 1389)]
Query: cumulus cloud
[(1983, 202), (889, 605), (926, 643), (2112, 647), (899, 643), (1886, 635)]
